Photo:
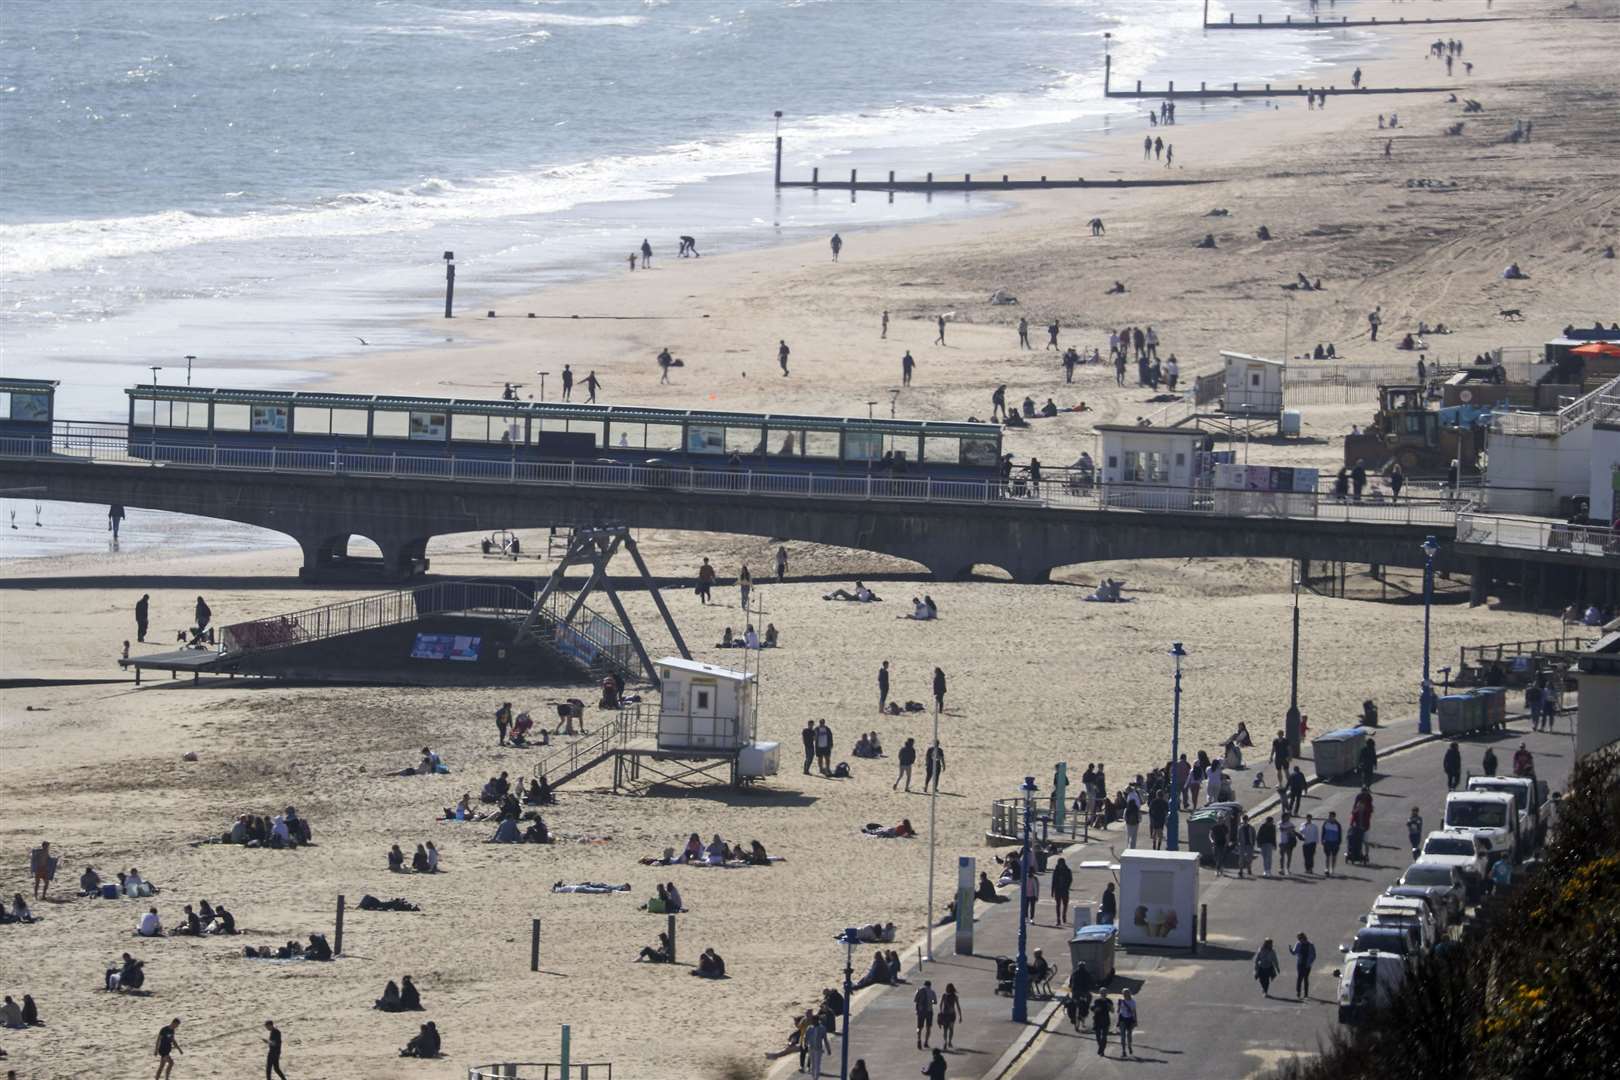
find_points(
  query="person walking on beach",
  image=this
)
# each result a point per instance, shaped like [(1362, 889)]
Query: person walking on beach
[(142, 609), (167, 1046), (1452, 763), (1023, 333), (688, 247), (745, 583), (837, 245), (568, 383), (1158, 147), (203, 613), (998, 403), (705, 581), (1147, 147), (1169, 155), (907, 366), (1304, 958), (885, 335), (646, 255), (1266, 966), (272, 1054), (781, 564), (1374, 318), (933, 767), (1102, 1017), (632, 262), (925, 1001), (907, 758), (1097, 227), (883, 686), (809, 737), (940, 340), (115, 518), (1052, 335), (782, 353), (824, 745), (939, 690), (665, 362), (950, 1011), (42, 868), (592, 385)]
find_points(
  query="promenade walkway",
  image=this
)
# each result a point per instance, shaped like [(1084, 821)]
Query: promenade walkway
[(1201, 1014)]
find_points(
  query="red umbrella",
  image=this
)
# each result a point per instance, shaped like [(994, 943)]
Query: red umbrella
[(1597, 348)]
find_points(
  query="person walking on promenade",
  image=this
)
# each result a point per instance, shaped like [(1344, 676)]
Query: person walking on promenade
[(1368, 761), (143, 608), (1296, 790), (745, 583), (809, 737), (272, 1056), (950, 1011), (1023, 333), (883, 686), (1452, 763), (1361, 813), (568, 372), (1414, 831), (819, 1045), (1127, 1023), (1266, 966), (936, 1067), (940, 340), (1032, 893), (925, 1000), (1133, 818), (939, 690), (1218, 839), (1332, 835), (933, 767), (1266, 838), (592, 385), (907, 758), (1287, 837), (1062, 881), (1245, 846), (1304, 957), (1309, 834), (1108, 906), (782, 354), (1102, 1017), (885, 335), (1488, 763), (908, 364), (167, 1046), (1279, 757), (1158, 813)]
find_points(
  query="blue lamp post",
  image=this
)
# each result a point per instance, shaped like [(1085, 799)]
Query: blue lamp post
[(1020, 1009), (1426, 702), (1175, 749), (849, 937)]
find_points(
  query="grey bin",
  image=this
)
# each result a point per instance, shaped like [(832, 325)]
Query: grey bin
[(1199, 823), (1338, 752), (1094, 946)]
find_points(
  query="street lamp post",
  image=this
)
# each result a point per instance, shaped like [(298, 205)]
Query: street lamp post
[(155, 369), (1291, 721), (933, 818), (1020, 1009), (851, 935), (1426, 703), (1172, 844)]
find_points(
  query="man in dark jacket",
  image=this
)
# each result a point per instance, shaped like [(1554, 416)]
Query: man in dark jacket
[(809, 737), (939, 689), (142, 608), (883, 685), (1453, 766)]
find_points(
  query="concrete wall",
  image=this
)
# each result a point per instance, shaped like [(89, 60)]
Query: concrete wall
[(1597, 722), (1555, 463), (1603, 463)]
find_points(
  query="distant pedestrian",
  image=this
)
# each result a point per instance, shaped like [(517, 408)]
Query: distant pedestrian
[(646, 255), (1052, 335), (142, 610), (204, 613), (907, 365), (1062, 882), (819, 1045), (1032, 895), (1158, 813), (925, 1001), (503, 720), (745, 584), (592, 385), (808, 735), (885, 334), (939, 690), (1097, 228), (950, 1011), (1296, 790), (1266, 966), (115, 518), (998, 403), (1414, 831), (272, 1056), (1397, 480), (568, 380), (1218, 840), (1133, 820), (688, 248), (1488, 763), (1147, 147), (632, 262), (1023, 333), (781, 564), (1287, 840), (837, 245), (1266, 838), (1279, 758), (705, 581), (1245, 846), (824, 745), (1332, 836), (1304, 958), (940, 340), (1309, 835), (1375, 318), (933, 767), (936, 1067), (1368, 761), (906, 759), (1169, 155), (782, 353), (1108, 906), (1158, 147), (1127, 1023), (167, 1046), (42, 868), (1102, 1017), (883, 686)]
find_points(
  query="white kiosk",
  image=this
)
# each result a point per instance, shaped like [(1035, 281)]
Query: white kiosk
[(1158, 898), (712, 712)]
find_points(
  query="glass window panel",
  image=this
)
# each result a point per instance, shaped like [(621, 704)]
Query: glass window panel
[(309, 421), (664, 438), (705, 440), (143, 412), (947, 448), (33, 407), (787, 443), (389, 424), (863, 445), (191, 414), (349, 422), (429, 425), (472, 428), (821, 444), (624, 435), (593, 428), (229, 417), (745, 440), (980, 451)]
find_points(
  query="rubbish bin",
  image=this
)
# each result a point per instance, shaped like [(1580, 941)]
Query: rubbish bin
[(1458, 714), (1338, 752), (1494, 706), (1081, 914), (1199, 823), (1094, 947)]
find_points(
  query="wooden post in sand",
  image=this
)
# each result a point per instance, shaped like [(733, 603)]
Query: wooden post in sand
[(534, 947), (672, 939), (337, 934)]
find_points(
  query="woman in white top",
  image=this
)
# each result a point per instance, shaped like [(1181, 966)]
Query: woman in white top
[(433, 858), (150, 926)]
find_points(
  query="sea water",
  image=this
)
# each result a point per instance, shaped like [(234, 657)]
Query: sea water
[(257, 183)]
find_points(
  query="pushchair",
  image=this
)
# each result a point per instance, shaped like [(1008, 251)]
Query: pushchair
[(1006, 975), (1356, 845)]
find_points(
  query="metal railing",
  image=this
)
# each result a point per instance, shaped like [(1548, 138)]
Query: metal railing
[(1508, 650), (1060, 489), (371, 612), (1601, 404), (1538, 534), (542, 1070), (569, 759), (589, 638)]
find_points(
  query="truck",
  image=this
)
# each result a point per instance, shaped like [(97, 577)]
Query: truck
[(1529, 797), (1491, 816)]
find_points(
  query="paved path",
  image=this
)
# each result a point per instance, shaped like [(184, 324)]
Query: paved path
[(1201, 1015)]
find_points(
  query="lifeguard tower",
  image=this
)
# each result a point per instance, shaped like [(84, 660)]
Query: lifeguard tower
[(705, 721)]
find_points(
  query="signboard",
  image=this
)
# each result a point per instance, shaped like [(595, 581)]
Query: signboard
[(33, 407), (428, 426), (271, 418), (445, 647)]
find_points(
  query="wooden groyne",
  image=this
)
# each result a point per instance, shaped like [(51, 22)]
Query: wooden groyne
[(1299, 90), (1342, 23)]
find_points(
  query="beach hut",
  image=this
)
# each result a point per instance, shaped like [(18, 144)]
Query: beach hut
[(1254, 385), (1155, 468), (712, 711)]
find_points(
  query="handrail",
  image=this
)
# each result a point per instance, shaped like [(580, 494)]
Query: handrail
[(1507, 650), (372, 612), (1540, 534), (1600, 404), (509, 1070), (1061, 489), (627, 725)]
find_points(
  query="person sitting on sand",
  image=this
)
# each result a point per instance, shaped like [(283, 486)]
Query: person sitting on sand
[(419, 861), (717, 852), (193, 926), (396, 860), (667, 858), (710, 965), (537, 833), (756, 854), (389, 1002), (987, 891), (861, 594), (409, 999), (693, 850), (673, 895), (1207, 242), (1050, 409), (540, 793), (863, 748), (129, 975), (149, 926), (429, 763), (89, 882), (771, 636), (1115, 289), (1014, 420), (656, 954), (658, 904), (877, 974), (507, 832), (425, 1045), (919, 610), (727, 641), (224, 920)]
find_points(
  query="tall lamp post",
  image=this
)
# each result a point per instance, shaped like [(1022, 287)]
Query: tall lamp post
[(1426, 702), (1020, 1009), (1173, 843), (1291, 721), (933, 817), (155, 369), (850, 936)]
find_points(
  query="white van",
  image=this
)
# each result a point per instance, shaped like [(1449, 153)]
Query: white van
[(1530, 796), (1490, 815)]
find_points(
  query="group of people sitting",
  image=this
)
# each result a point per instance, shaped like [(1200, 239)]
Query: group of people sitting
[(1324, 353), (1108, 591), (317, 950), (130, 884), (425, 861), (201, 920), (129, 974), (902, 831), (883, 971), (667, 902), (495, 789), (399, 998), (511, 830), (861, 594), (429, 764), (923, 610), (710, 965), (871, 933), (13, 1015), (716, 853), (749, 638), (425, 1044), (20, 912), (284, 830), (868, 746)]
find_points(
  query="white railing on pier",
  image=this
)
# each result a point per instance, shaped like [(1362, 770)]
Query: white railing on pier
[(1601, 404), (1059, 489), (1537, 534)]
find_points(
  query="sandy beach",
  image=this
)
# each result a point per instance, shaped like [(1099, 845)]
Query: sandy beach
[(1036, 676)]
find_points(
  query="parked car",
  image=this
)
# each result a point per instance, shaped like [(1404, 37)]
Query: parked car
[(1459, 848), (1408, 912), (1367, 982), (1441, 882)]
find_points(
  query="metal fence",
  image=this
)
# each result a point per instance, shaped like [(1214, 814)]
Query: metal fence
[(543, 1070), (1536, 534), (371, 612), (1060, 489)]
